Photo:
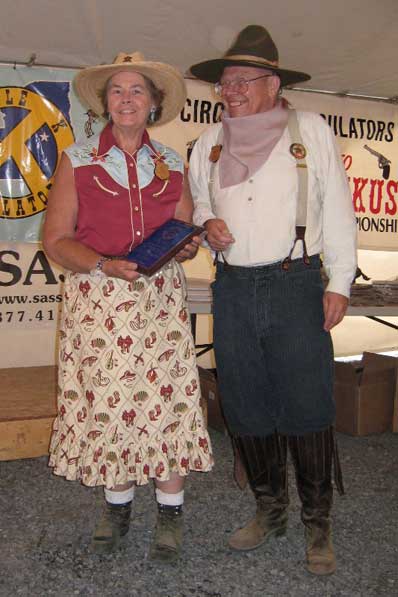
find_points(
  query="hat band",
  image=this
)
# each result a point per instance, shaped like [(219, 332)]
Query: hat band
[(251, 59)]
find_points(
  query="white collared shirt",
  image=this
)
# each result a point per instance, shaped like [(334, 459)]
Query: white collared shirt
[(261, 212)]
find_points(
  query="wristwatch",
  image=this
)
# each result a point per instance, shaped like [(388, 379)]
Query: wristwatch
[(97, 270)]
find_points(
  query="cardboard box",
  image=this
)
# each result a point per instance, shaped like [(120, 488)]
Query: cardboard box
[(364, 394), (210, 394), (28, 407)]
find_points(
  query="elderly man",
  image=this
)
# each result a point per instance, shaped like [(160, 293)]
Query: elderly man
[(270, 188)]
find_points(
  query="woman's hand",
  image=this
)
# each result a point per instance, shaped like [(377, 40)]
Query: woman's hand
[(190, 250), (121, 268)]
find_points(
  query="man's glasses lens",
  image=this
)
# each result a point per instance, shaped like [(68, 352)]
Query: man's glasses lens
[(241, 85)]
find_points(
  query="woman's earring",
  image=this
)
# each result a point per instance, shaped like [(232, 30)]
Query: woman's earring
[(152, 114)]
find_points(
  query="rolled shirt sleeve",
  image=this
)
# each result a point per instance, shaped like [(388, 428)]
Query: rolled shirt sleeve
[(339, 231)]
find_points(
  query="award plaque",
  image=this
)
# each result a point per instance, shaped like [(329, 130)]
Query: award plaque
[(162, 245)]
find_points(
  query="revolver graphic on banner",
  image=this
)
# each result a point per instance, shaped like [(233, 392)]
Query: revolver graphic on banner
[(382, 162)]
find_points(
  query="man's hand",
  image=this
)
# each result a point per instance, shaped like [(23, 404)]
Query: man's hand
[(190, 250), (334, 307), (218, 235)]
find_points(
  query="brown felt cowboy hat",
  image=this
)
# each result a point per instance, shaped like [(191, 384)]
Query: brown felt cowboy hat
[(253, 47), (90, 83)]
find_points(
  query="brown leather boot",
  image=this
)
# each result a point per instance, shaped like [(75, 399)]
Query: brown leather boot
[(112, 526), (265, 462), (320, 554), (167, 541), (313, 455)]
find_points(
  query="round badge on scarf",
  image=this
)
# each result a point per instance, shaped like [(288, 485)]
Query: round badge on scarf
[(298, 151), (162, 170), (215, 153)]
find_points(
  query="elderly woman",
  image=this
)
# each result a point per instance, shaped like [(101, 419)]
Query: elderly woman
[(128, 384)]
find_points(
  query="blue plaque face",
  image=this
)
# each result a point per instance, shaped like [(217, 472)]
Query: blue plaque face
[(162, 245)]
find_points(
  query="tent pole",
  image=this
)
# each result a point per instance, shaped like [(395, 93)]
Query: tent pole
[(388, 100), (31, 63)]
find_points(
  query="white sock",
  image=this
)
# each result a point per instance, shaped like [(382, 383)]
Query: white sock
[(119, 497), (169, 499)]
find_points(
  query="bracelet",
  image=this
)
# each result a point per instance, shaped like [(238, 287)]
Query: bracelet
[(97, 270)]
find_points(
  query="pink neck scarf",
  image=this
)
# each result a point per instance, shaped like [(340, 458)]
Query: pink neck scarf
[(248, 142)]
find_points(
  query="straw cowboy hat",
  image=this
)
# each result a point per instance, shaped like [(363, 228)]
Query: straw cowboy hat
[(253, 47), (90, 83)]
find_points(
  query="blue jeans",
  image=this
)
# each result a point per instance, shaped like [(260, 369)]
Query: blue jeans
[(274, 360)]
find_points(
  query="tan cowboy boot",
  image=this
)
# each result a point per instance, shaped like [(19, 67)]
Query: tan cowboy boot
[(167, 541), (112, 526), (319, 551), (313, 455), (264, 460), (270, 520)]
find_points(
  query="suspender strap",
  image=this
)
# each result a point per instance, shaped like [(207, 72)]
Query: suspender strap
[(299, 152), (212, 169), (214, 156)]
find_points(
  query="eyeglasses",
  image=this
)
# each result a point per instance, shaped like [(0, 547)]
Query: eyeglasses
[(241, 85)]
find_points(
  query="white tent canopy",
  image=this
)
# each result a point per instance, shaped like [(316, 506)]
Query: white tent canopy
[(348, 46)]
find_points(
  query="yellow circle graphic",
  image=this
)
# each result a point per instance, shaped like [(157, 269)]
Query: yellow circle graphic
[(37, 114)]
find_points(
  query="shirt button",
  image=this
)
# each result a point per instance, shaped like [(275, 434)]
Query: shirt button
[(138, 233), (250, 198), (136, 208), (131, 165), (133, 186)]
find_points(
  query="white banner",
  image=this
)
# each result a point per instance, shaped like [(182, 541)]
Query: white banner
[(30, 288), (40, 115), (367, 133)]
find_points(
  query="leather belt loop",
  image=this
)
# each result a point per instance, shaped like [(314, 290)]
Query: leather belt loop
[(222, 260)]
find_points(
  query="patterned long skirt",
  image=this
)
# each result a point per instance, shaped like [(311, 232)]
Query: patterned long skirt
[(128, 388)]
